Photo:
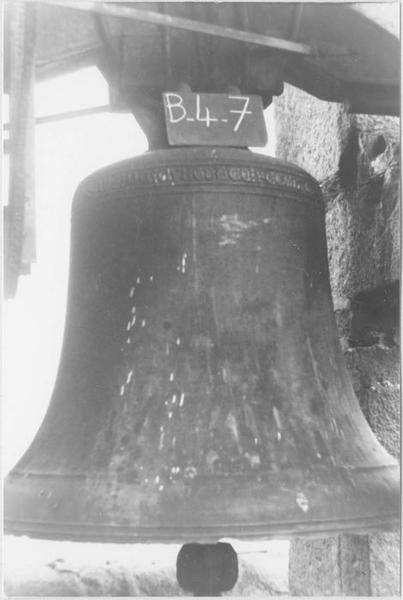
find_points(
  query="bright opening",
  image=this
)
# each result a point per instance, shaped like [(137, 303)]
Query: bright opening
[(65, 153)]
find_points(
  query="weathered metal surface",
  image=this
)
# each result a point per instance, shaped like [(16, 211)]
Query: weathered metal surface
[(202, 392)]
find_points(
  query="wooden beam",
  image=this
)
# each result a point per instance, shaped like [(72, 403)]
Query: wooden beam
[(116, 10)]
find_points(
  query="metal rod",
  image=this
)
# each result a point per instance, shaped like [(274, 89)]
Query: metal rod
[(68, 115), (182, 23)]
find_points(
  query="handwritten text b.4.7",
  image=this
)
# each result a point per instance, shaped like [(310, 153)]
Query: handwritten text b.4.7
[(177, 110), (222, 119)]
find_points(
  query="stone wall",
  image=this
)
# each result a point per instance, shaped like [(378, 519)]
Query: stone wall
[(355, 158)]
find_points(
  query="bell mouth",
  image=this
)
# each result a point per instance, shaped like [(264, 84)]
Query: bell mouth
[(244, 532), (205, 509)]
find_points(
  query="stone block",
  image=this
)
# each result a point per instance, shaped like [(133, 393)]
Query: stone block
[(310, 133), (363, 234), (355, 158), (333, 566), (346, 565), (385, 564)]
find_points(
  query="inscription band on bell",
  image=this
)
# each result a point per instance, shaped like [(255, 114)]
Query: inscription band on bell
[(170, 176)]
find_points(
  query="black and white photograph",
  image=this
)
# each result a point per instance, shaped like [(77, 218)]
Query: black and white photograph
[(200, 331)]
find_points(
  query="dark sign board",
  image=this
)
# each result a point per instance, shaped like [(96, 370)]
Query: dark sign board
[(214, 119)]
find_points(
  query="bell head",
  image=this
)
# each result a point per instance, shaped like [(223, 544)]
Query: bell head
[(202, 392)]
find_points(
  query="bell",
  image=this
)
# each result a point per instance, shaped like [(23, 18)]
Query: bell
[(202, 391)]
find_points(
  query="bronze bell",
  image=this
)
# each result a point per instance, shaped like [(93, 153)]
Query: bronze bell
[(202, 391)]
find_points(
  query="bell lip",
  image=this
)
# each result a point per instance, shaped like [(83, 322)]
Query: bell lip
[(29, 519), (85, 532)]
